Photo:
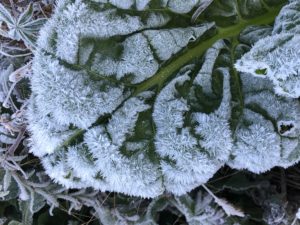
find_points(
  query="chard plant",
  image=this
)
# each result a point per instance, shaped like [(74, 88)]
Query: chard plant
[(145, 98)]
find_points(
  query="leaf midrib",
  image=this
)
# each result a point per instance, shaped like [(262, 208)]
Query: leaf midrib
[(222, 33)]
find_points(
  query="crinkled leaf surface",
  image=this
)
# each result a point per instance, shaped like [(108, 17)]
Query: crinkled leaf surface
[(131, 96)]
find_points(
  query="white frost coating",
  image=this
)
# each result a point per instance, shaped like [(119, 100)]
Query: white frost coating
[(58, 169), (157, 20), (48, 32), (71, 96), (169, 42), (180, 6), (77, 21), (186, 164), (214, 128), (137, 59), (46, 134), (204, 76), (277, 56), (257, 146)]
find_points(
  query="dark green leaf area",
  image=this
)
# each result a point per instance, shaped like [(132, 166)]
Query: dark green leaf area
[(144, 135)]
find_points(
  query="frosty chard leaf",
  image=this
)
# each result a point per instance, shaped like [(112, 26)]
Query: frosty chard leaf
[(133, 97)]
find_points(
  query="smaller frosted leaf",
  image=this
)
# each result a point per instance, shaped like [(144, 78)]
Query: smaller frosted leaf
[(24, 28), (275, 57)]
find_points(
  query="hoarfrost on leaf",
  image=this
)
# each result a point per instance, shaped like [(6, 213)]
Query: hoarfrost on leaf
[(277, 56), (125, 100)]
